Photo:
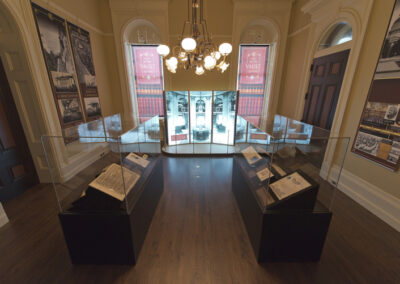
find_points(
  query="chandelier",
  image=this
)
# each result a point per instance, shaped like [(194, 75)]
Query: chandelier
[(195, 50)]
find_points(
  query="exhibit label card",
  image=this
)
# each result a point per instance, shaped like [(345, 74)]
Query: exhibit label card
[(111, 182), (251, 155), (264, 174), (137, 160), (289, 185)]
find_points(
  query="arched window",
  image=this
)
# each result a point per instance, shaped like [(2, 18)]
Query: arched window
[(145, 71), (148, 81), (337, 34), (258, 42), (253, 60)]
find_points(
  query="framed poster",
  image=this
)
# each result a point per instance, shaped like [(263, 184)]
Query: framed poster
[(83, 57), (60, 66), (378, 134)]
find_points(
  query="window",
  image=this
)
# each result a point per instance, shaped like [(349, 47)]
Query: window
[(253, 61), (149, 81), (338, 34)]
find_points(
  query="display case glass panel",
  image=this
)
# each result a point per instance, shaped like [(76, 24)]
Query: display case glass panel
[(224, 112), (100, 173), (177, 109), (304, 163), (200, 116)]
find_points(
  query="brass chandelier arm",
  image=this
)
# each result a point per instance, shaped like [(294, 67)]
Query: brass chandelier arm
[(196, 50)]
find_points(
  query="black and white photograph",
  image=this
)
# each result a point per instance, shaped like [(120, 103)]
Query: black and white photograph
[(391, 113), (367, 143), (82, 51), (70, 110), (53, 36), (374, 114), (394, 153), (92, 106), (389, 61)]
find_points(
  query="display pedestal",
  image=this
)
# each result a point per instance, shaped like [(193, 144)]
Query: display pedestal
[(113, 237), (280, 235)]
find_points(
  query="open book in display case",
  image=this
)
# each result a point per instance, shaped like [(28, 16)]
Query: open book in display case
[(110, 183), (284, 180)]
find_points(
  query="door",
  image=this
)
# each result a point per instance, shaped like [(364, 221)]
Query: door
[(324, 88), (17, 172)]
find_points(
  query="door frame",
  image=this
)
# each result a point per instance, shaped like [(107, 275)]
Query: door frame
[(321, 22)]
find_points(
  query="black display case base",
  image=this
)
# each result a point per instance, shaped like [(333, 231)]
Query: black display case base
[(112, 237), (280, 235)]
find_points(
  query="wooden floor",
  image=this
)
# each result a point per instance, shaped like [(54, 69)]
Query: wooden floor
[(196, 236)]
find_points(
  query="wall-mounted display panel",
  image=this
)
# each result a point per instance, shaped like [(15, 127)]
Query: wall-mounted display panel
[(69, 61), (378, 135)]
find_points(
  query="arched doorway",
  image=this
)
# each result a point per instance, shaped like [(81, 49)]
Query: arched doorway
[(327, 73), (22, 159)]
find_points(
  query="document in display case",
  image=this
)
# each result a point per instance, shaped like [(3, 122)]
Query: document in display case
[(289, 185), (111, 183), (109, 198), (283, 191)]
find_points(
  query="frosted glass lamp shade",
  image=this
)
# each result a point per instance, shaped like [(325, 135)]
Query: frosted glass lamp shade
[(209, 62), (216, 54), (199, 70), (163, 50), (172, 61), (225, 48), (188, 44)]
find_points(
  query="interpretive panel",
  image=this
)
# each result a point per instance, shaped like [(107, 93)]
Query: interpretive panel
[(378, 135)]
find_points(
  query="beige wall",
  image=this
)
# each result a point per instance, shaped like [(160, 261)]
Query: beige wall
[(367, 170), (292, 76), (293, 79)]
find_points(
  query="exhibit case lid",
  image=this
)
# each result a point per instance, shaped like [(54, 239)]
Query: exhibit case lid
[(291, 165), (102, 166)]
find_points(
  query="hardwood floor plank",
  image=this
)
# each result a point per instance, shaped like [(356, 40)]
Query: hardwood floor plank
[(196, 236)]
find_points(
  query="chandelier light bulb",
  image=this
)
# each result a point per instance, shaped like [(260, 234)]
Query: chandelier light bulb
[(223, 67), (172, 61), (216, 54), (209, 62), (182, 54), (225, 48), (199, 70), (188, 44), (163, 50)]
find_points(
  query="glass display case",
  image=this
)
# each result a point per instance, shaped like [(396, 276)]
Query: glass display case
[(104, 184), (287, 181)]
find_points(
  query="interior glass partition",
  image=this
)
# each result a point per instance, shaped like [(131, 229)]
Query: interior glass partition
[(224, 111), (200, 116), (177, 114)]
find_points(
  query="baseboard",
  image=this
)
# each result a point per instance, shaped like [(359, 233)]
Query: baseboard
[(371, 197), (3, 216)]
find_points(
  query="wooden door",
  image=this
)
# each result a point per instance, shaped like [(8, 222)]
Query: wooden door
[(324, 88), (17, 172)]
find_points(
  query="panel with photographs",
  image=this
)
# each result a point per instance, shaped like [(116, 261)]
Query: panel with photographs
[(82, 51), (60, 66), (66, 67), (378, 135)]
